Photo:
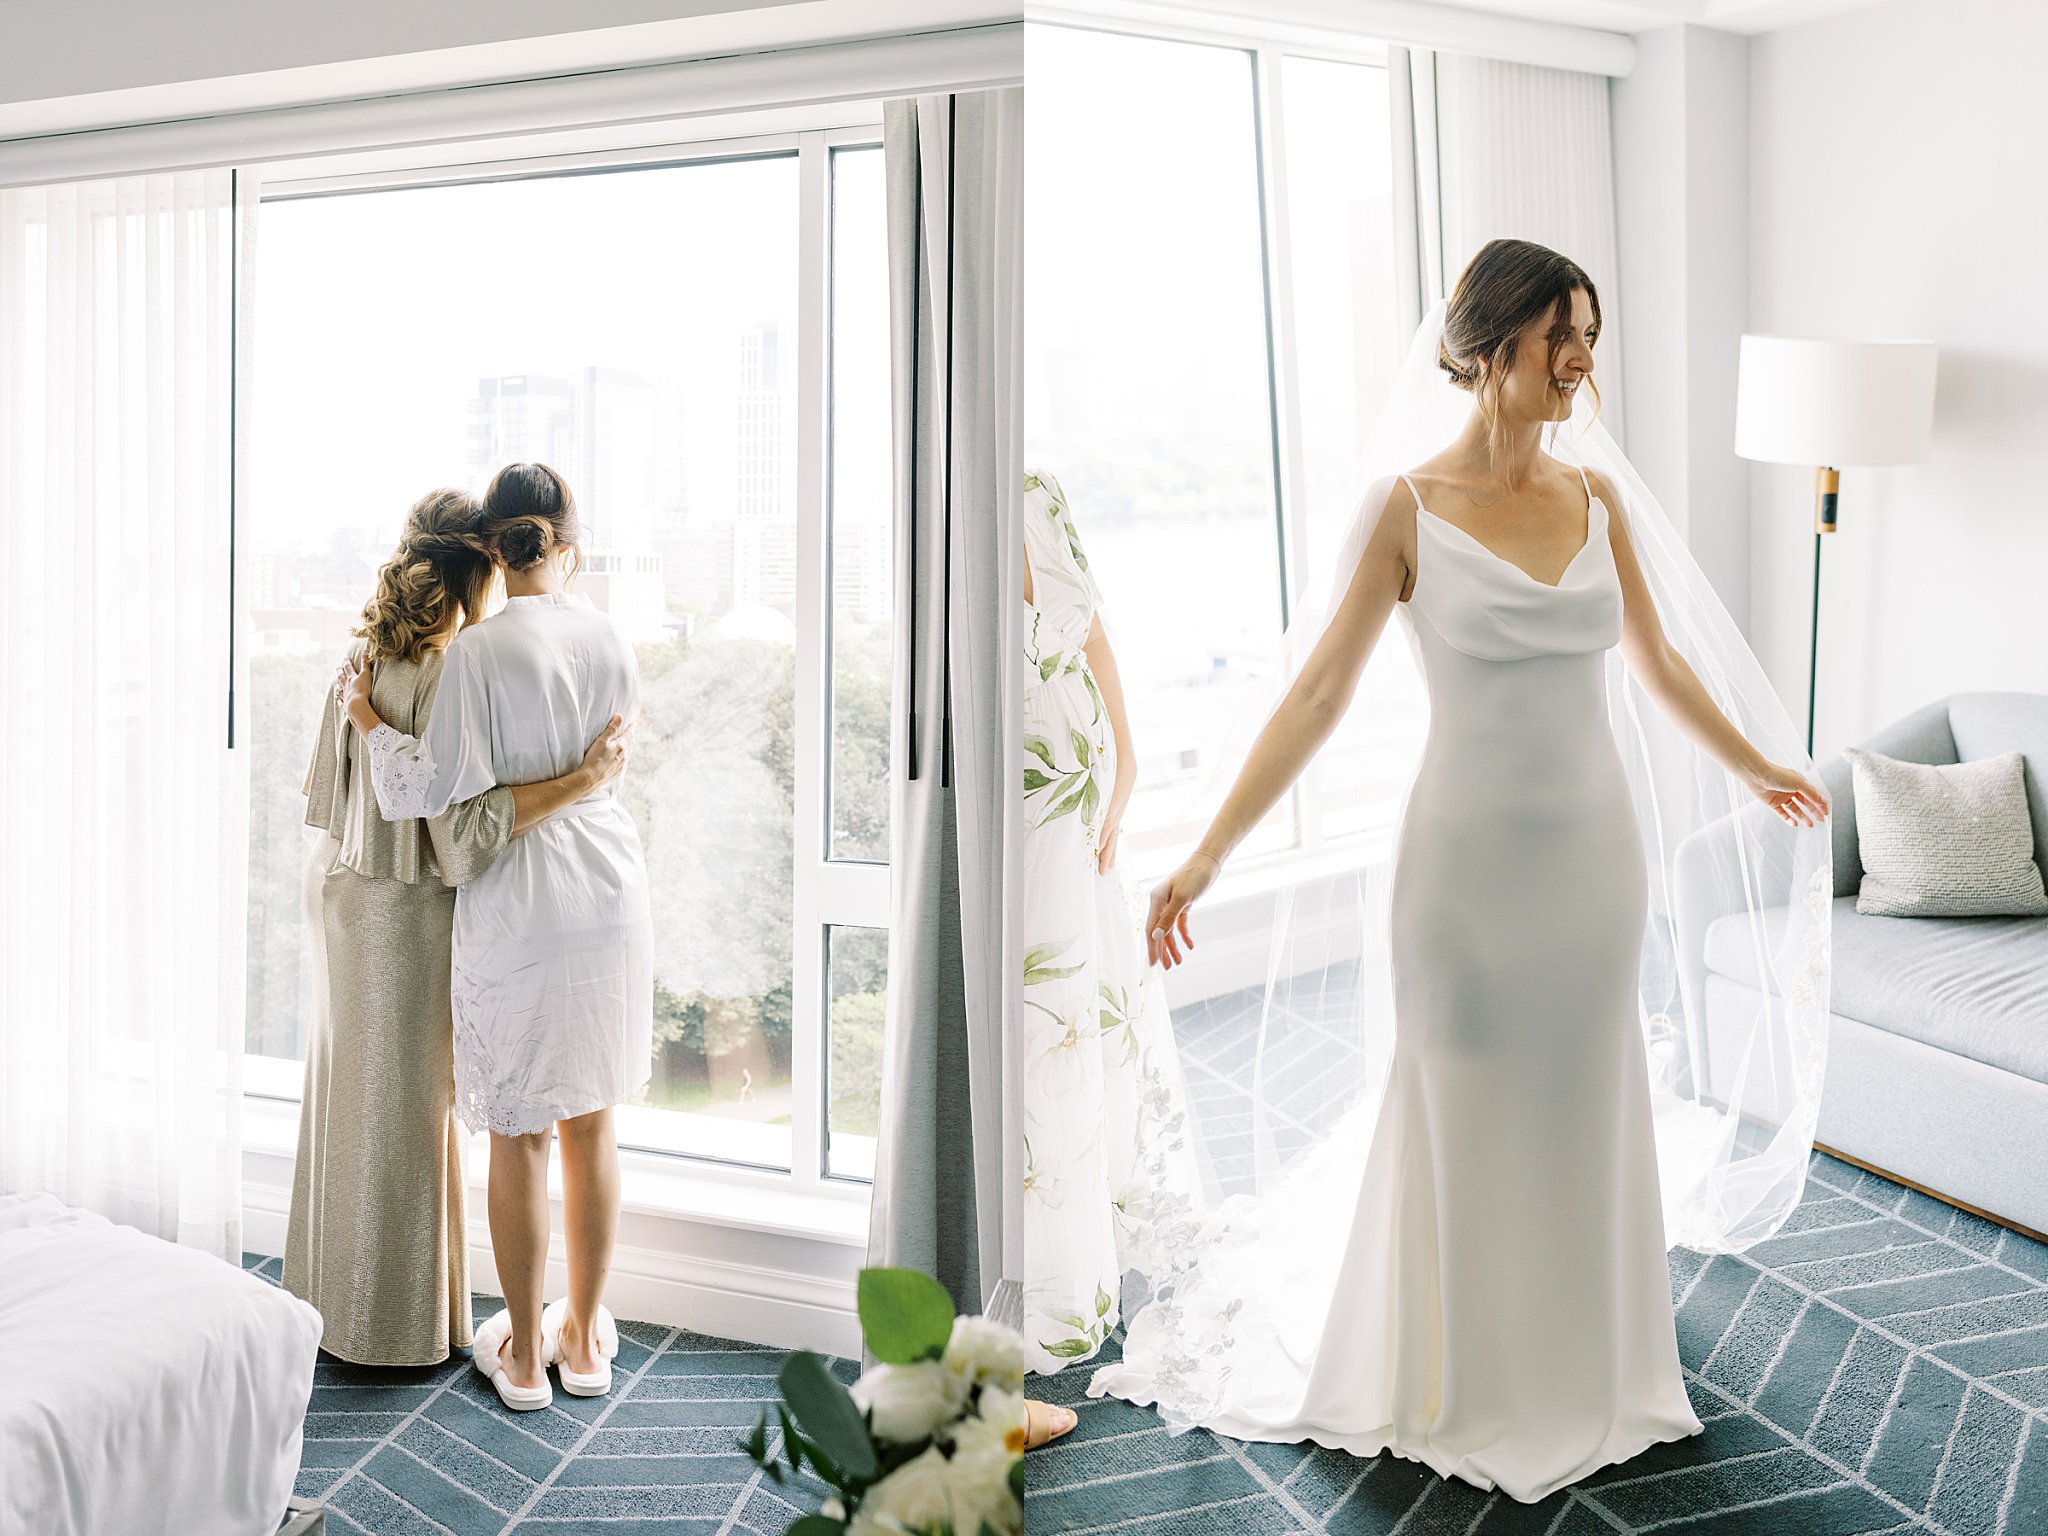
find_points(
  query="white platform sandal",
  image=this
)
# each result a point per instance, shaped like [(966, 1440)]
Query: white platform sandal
[(606, 1336), (488, 1344)]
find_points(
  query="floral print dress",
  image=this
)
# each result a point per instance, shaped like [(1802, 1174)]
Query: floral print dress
[(1109, 1174)]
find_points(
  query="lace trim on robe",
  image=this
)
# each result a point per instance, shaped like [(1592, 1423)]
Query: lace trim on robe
[(401, 771)]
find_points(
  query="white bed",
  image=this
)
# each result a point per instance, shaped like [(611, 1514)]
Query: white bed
[(147, 1388)]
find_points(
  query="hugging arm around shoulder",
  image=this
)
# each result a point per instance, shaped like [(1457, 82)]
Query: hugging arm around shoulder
[(450, 760)]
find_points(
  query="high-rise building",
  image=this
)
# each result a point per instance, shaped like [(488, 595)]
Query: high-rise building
[(522, 417), (764, 540), (760, 425), (614, 471), (860, 573), (600, 432)]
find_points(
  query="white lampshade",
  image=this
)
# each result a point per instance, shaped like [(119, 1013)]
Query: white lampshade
[(1841, 404)]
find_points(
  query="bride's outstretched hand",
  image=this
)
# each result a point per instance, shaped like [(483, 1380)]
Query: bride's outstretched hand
[(1166, 925), (1789, 794)]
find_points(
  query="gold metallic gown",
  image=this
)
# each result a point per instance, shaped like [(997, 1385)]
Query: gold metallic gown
[(377, 1234)]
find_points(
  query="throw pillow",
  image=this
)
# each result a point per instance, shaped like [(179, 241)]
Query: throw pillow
[(1951, 840)]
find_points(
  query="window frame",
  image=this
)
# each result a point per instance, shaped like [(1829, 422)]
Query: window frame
[(827, 892), (1266, 51)]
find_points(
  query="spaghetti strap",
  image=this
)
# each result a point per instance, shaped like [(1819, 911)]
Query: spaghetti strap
[(1411, 488), (1588, 485)]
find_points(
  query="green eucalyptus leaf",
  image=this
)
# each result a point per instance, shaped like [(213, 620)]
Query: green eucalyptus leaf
[(792, 1442), (905, 1315), (1070, 801), (827, 1413), (1038, 954)]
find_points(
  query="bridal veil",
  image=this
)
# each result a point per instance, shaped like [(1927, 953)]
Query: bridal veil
[(1735, 1070)]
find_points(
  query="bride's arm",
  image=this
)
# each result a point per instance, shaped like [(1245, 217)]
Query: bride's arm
[(1668, 678), (1298, 726)]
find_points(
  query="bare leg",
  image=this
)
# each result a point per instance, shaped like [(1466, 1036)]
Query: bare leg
[(590, 1221), (519, 1241)]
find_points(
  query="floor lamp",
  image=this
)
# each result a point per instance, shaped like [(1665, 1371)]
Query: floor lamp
[(1832, 405)]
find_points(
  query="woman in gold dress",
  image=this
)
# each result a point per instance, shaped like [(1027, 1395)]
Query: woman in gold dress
[(377, 1237)]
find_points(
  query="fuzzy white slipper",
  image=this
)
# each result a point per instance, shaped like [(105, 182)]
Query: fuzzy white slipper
[(486, 1348), (606, 1335)]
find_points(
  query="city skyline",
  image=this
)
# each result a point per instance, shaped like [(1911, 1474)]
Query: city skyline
[(654, 558)]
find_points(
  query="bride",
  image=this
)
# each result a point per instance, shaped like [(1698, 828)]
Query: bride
[(1460, 1256)]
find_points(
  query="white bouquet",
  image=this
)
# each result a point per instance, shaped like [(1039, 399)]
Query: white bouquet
[(928, 1442)]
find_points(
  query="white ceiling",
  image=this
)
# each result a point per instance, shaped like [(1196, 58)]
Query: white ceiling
[(71, 65), (1748, 16)]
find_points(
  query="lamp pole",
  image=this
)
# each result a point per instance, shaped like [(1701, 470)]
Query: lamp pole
[(1827, 487)]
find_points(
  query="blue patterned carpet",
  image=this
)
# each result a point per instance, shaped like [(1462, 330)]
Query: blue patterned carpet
[(431, 1452), (1881, 1366)]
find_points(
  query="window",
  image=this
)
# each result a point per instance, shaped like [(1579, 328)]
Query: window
[(683, 341), (1190, 202)]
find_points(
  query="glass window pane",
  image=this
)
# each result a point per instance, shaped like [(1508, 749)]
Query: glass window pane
[(857, 961), (1148, 390), (860, 511), (419, 338), (1349, 341)]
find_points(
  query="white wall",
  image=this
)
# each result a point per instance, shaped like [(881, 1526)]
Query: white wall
[(1681, 168), (1896, 189)]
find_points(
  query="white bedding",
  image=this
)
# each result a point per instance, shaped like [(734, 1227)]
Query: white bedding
[(144, 1387)]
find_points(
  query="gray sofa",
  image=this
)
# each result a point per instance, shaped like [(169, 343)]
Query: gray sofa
[(1937, 1070)]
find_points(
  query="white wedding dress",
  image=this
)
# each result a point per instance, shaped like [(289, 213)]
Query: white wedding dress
[(1502, 1307)]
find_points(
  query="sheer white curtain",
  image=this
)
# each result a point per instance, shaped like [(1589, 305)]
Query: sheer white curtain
[(122, 809), (1526, 152)]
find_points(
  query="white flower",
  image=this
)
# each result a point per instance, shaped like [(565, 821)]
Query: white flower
[(984, 1451), (985, 1353), (932, 1492), (916, 1497), (832, 1509), (910, 1402), (1005, 1412)]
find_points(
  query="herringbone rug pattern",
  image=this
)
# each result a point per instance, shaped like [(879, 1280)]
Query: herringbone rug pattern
[(431, 1452), (1880, 1366)]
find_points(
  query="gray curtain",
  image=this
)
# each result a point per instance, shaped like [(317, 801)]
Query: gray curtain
[(949, 1170)]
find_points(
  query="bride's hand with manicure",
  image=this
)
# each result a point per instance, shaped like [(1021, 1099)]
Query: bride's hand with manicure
[(1166, 924)]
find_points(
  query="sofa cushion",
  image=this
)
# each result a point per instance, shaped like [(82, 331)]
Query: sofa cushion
[(1986, 724), (1977, 986), (1948, 841)]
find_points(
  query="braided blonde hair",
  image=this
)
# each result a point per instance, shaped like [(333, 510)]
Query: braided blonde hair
[(435, 581)]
